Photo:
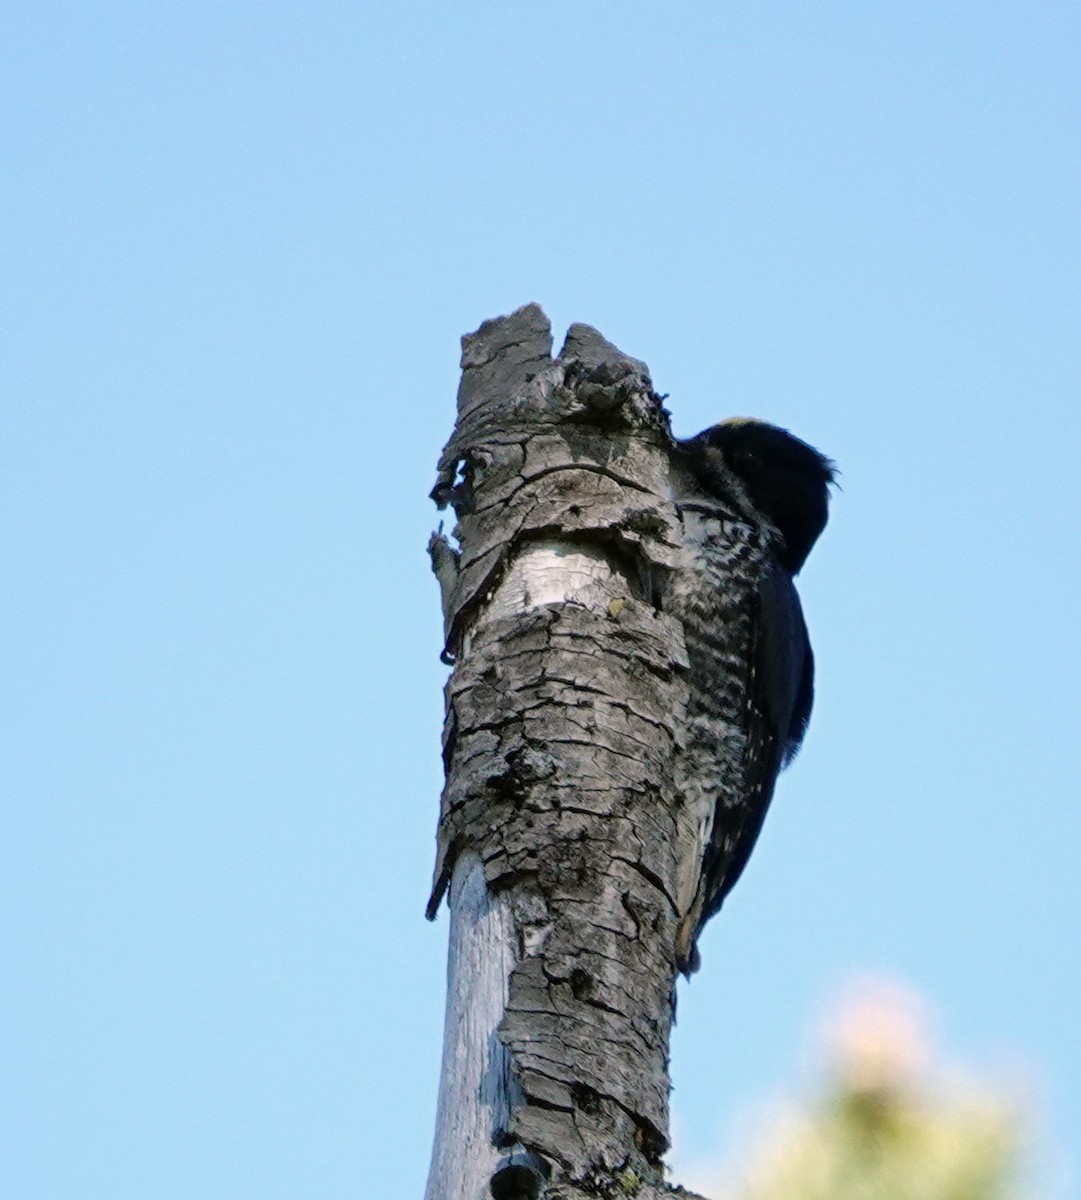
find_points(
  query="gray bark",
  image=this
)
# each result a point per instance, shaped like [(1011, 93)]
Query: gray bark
[(561, 825), (477, 1084)]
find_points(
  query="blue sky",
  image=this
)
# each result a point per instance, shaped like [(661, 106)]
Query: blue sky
[(240, 243)]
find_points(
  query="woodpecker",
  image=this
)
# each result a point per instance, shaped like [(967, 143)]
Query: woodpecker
[(753, 499)]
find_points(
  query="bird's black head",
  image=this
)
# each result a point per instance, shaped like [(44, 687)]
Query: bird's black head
[(785, 479)]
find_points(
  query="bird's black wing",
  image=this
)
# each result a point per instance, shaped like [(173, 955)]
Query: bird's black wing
[(779, 698)]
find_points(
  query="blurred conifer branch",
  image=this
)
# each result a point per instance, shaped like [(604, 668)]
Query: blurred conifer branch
[(889, 1123)]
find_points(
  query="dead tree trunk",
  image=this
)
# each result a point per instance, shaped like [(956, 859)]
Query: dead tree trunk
[(560, 822)]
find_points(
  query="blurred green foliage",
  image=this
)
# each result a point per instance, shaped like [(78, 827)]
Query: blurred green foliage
[(889, 1123)]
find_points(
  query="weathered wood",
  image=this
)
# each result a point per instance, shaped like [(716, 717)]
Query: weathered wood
[(476, 1085), (561, 822)]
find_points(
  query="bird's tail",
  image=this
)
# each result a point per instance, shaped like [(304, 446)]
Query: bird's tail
[(688, 960)]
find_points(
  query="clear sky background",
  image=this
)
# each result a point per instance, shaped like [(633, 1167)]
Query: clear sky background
[(240, 242)]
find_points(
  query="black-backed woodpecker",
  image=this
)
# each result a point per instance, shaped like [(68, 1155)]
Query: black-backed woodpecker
[(754, 499)]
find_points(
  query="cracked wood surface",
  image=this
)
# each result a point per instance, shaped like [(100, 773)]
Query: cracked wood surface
[(561, 821)]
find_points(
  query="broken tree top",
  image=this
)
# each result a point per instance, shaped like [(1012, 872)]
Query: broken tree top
[(538, 429)]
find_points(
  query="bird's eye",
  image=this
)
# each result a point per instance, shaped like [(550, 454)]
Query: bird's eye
[(747, 460)]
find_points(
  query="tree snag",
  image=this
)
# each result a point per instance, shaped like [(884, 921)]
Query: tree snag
[(564, 833)]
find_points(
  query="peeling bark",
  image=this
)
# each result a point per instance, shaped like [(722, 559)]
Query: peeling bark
[(561, 821)]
